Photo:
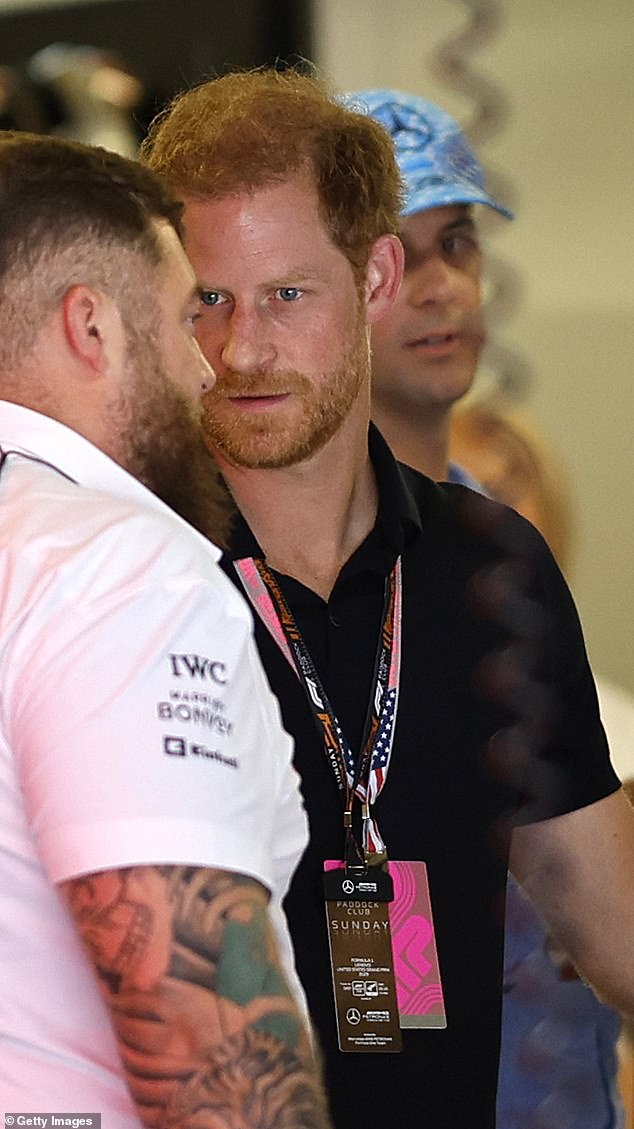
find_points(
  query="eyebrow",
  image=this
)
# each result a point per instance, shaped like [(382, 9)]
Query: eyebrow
[(461, 221), (294, 277)]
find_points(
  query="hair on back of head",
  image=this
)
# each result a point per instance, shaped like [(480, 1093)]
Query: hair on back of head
[(69, 214), (249, 129)]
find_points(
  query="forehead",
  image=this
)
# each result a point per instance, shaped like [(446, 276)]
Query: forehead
[(270, 230), (432, 221)]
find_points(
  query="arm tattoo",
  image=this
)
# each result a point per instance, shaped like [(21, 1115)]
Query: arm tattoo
[(208, 1031)]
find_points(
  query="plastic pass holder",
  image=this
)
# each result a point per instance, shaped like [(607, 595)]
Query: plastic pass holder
[(361, 959)]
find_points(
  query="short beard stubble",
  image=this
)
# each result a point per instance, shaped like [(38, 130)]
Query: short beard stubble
[(259, 441)]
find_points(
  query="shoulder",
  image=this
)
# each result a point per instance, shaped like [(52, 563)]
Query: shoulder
[(66, 533), (460, 511), (494, 560)]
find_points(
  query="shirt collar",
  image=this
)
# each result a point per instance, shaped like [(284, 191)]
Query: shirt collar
[(398, 518), (36, 435)]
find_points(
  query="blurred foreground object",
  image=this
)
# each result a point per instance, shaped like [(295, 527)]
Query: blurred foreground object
[(97, 94)]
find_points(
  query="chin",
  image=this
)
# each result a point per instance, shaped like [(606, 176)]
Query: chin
[(447, 389)]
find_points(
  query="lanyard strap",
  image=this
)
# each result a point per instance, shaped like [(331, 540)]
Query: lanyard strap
[(366, 778)]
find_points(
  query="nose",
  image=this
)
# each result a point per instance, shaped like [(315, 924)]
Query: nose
[(431, 280), (246, 346), (207, 374)]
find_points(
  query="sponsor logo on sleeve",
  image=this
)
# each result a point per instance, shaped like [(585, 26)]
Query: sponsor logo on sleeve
[(198, 667), (196, 709), (180, 747)]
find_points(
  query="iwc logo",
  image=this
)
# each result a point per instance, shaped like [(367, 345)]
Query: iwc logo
[(198, 666)]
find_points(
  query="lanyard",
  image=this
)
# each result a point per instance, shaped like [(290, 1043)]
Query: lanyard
[(365, 779)]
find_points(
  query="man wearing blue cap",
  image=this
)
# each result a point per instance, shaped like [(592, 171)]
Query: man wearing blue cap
[(380, 611), (426, 350), (559, 1054)]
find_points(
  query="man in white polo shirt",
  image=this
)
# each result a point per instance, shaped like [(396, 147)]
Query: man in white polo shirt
[(149, 814)]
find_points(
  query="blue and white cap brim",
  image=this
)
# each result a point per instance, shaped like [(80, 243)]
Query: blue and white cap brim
[(440, 194), (436, 162)]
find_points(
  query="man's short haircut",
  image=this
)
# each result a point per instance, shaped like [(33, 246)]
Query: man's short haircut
[(69, 214), (247, 130)]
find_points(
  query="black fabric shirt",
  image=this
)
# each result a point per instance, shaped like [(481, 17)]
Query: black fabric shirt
[(445, 795)]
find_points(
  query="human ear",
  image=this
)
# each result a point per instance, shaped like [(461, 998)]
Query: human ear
[(383, 276), (89, 324)]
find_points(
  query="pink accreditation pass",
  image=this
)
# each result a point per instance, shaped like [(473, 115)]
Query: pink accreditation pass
[(418, 985)]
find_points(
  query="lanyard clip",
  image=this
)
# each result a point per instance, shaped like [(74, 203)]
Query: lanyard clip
[(376, 858)]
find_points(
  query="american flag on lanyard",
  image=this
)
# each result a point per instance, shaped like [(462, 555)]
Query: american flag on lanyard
[(387, 719)]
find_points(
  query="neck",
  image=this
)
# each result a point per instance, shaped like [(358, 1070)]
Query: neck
[(311, 517), (419, 439)]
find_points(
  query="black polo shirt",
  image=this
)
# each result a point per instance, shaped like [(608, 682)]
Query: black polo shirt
[(476, 577)]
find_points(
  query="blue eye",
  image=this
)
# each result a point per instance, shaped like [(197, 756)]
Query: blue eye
[(210, 297), (289, 293)]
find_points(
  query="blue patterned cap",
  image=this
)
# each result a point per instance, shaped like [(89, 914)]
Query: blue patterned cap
[(435, 160)]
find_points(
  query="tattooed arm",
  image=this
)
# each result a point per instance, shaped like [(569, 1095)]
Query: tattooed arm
[(208, 1031)]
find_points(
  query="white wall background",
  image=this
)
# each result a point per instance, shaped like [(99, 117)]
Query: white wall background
[(566, 68)]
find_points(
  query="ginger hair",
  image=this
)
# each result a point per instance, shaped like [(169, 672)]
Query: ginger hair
[(247, 130)]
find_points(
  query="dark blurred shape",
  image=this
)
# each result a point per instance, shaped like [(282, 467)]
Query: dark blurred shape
[(96, 94), (513, 675), (167, 45), (22, 104)]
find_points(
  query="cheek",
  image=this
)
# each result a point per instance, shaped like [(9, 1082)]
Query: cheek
[(314, 345), (317, 352), (469, 292)]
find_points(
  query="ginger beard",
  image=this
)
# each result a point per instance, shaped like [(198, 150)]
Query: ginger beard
[(160, 440), (288, 433)]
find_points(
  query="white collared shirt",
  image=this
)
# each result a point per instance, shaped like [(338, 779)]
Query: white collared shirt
[(136, 727)]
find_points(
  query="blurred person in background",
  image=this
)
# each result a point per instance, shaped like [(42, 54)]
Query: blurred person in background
[(558, 1058)]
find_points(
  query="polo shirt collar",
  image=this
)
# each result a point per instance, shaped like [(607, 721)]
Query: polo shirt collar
[(398, 515), (398, 518)]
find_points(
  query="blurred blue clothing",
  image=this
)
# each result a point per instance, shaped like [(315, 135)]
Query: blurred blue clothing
[(558, 1064), (457, 474)]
